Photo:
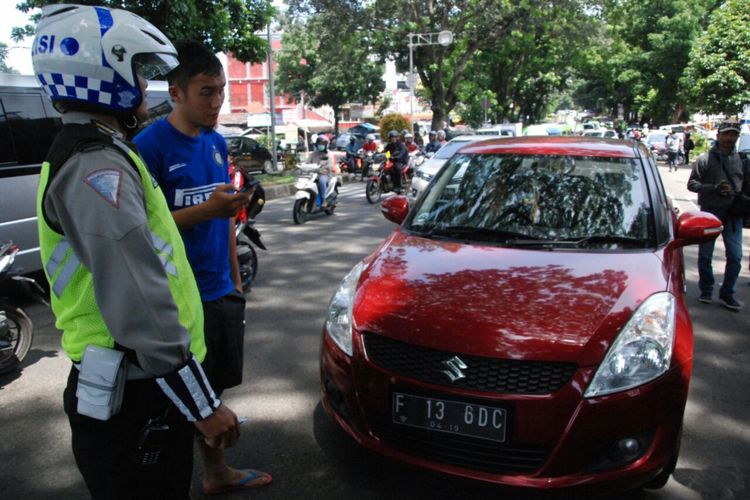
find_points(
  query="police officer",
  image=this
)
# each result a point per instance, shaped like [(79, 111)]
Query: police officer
[(123, 292)]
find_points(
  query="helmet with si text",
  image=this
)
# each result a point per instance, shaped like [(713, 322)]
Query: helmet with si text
[(89, 58)]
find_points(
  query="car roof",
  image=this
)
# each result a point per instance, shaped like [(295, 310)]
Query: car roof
[(555, 145)]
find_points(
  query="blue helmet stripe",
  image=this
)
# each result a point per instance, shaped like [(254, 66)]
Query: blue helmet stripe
[(105, 19)]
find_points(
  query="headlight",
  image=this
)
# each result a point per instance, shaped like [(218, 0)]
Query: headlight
[(642, 350), (422, 175), (339, 320)]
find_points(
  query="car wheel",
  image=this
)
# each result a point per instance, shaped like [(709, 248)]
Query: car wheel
[(662, 478), (268, 167)]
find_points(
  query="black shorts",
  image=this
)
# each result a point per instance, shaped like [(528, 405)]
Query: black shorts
[(224, 327), (105, 451)]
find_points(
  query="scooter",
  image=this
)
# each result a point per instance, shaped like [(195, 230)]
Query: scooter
[(247, 236), (306, 198), (16, 329)]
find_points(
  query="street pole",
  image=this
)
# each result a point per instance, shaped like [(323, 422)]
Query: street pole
[(411, 79), (273, 98)]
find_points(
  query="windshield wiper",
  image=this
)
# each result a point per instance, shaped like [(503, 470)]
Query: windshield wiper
[(580, 241), (608, 238), (484, 233)]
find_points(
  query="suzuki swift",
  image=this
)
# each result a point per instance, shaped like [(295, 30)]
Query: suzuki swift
[(525, 325)]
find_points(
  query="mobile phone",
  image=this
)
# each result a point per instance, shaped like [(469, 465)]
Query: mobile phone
[(151, 442), (249, 185)]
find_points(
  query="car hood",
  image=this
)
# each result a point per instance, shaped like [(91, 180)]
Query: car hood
[(503, 302)]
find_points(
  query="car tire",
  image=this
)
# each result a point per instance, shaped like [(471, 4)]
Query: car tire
[(268, 167), (20, 334), (662, 478)]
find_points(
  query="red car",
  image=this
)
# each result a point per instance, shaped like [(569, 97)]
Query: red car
[(526, 324)]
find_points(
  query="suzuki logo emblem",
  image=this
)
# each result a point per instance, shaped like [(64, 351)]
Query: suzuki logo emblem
[(454, 369)]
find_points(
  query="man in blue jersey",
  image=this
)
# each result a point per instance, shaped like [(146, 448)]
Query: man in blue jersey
[(188, 159)]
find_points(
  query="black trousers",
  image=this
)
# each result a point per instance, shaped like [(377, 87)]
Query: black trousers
[(224, 327), (104, 451)]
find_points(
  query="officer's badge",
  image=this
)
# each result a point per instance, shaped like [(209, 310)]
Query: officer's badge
[(106, 183)]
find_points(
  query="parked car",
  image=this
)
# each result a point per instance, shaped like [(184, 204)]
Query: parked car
[(427, 170), (28, 125), (503, 131), (606, 133), (656, 141), (526, 324), (248, 154)]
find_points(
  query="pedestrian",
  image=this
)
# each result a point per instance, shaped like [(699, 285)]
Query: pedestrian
[(688, 146), (717, 176), (188, 159), (673, 148), (122, 290)]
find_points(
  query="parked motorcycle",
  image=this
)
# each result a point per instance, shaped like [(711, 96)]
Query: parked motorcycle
[(247, 236), (306, 198), (380, 182), (16, 329)]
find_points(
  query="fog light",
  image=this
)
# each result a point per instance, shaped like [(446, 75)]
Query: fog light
[(627, 448), (336, 398)]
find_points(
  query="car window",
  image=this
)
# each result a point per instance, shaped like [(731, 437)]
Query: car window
[(449, 149), (26, 130), (743, 143), (541, 197), (652, 138)]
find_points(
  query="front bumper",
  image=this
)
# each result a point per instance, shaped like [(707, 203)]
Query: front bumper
[(554, 441)]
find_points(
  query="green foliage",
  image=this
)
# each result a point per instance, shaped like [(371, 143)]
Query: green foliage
[(223, 25), (330, 67), (393, 121), (701, 144), (718, 77), (4, 68)]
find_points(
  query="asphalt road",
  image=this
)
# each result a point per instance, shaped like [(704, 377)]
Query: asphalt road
[(288, 433)]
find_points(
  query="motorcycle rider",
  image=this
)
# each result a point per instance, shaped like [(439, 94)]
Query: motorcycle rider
[(111, 247), (351, 153), (409, 142), (368, 147), (434, 144), (399, 155), (320, 156)]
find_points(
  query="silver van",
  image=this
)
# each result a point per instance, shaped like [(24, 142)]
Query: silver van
[(28, 125)]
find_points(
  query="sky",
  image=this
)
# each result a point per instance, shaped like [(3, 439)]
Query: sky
[(19, 54)]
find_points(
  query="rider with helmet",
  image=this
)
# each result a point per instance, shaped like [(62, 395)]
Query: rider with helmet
[(352, 151), (399, 155), (434, 144), (409, 142), (110, 246), (370, 146)]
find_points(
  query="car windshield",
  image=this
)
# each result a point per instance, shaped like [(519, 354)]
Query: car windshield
[(550, 201), (449, 149)]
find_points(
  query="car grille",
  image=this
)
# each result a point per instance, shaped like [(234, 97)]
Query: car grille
[(505, 376), (462, 451)]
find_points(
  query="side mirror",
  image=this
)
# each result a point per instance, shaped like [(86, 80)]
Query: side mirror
[(696, 227), (395, 208)]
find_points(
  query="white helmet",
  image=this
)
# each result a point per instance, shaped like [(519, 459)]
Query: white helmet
[(370, 137), (88, 55)]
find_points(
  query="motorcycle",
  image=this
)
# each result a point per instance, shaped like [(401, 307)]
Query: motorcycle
[(344, 165), (380, 182), (16, 329), (371, 163), (306, 198), (246, 235)]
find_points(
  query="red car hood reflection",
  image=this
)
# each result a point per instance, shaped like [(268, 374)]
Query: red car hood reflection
[(503, 302)]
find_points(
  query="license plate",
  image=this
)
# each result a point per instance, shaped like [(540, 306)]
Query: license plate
[(454, 417)]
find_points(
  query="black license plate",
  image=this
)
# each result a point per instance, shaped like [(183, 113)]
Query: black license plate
[(454, 417)]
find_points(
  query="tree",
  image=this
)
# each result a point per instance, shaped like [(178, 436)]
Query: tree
[(4, 68), (223, 25), (717, 79), (330, 67)]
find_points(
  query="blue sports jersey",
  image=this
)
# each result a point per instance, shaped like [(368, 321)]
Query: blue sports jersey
[(188, 169)]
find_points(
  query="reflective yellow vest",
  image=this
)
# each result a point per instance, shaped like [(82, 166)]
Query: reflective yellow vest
[(72, 290)]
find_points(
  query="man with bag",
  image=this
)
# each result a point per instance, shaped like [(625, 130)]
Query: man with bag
[(722, 182)]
